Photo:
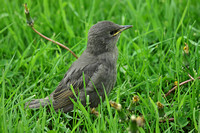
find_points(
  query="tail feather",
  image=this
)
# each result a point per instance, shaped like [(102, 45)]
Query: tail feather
[(57, 105), (37, 103)]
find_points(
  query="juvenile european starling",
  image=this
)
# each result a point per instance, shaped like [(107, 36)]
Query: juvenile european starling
[(97, 64)]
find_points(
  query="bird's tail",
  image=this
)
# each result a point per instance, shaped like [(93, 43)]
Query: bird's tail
[(37, 103)]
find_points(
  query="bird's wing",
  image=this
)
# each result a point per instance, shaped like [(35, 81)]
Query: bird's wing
[(74, 77)]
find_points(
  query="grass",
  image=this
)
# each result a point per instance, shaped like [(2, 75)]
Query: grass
[(151, 59)]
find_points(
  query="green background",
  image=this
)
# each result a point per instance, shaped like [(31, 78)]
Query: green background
[(151, 59)]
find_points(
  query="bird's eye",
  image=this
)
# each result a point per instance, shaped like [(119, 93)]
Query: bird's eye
[(113, 32)]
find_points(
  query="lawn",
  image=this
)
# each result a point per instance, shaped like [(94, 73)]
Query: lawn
[(161, 51)]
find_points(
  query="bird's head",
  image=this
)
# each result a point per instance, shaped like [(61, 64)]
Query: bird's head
[(103, 36)]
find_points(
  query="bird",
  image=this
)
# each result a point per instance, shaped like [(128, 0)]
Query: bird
[(91, 74)]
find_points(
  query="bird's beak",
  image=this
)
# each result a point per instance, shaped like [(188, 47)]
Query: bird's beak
[(122, 28)]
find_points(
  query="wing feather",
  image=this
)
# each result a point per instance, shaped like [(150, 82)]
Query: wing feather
[(63, 93)]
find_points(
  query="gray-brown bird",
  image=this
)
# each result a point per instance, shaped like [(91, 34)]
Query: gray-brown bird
[(97, 64)]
